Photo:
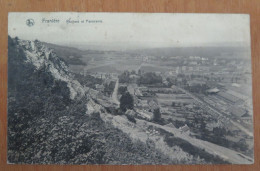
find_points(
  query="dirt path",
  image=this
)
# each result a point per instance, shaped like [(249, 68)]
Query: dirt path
[(114, 94), (140, 132), (225, 153)]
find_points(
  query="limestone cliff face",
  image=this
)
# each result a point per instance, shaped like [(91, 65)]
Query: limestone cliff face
[(41, 56)]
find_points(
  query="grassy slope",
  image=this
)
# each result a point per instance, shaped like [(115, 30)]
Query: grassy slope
[(45, 126)]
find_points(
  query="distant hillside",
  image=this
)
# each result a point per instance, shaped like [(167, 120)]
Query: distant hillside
[(70, 55), (195, 51)]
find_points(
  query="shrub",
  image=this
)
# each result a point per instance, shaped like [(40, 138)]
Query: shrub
[(193, 150), (150, 78), (96, 116), (122, 89), (131, 118), (157, 115), (126, 102)]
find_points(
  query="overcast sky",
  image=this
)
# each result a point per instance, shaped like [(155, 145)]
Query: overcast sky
[(122, 30)]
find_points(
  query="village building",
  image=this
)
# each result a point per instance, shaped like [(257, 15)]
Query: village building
[(185, 129), (213, 91)]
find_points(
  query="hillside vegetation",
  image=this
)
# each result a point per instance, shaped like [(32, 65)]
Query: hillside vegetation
[(47, 125)]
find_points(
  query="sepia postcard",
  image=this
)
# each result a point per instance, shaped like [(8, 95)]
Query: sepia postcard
[(129, 88)]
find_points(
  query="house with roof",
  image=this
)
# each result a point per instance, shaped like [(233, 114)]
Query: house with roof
[(164, 110), (247, 119), (230, 98), (185, 129), (99, 87), (144, 114), (170, 125), (237, 111), (196, 83), (130, 113), (152, 104), (213, 91)]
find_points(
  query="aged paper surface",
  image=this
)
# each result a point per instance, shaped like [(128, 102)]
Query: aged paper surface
[(125, 88)]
